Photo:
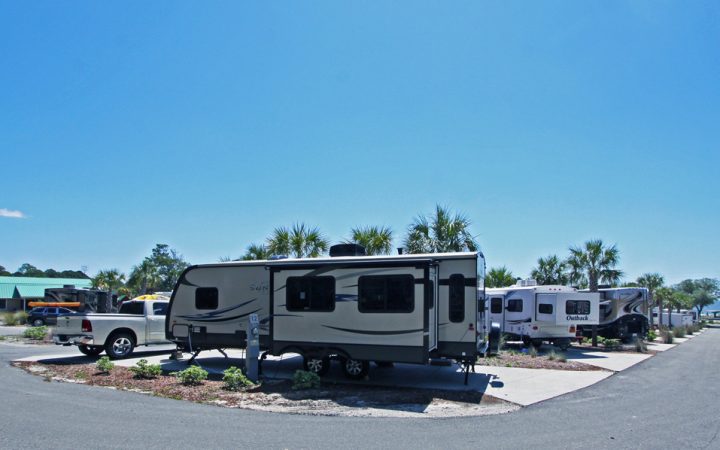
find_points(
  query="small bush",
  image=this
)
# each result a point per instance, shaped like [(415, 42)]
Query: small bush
[(666, 336), (612, 344), (235, 379), (561, 357), (192, 376), (651, 335), (144, 370), (503, 341), (305, 380), (21, 317), (9, 319), (104, 365), (2, 338), (552, 356), (533, 352), (36, 333), (679, 332)]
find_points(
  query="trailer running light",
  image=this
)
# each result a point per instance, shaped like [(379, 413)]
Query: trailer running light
[(471, 327), (86, 326)]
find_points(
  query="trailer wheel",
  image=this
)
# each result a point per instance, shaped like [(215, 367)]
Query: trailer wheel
[(119, 346), (319, 366), (563, 344), (537, 343), (355, 369), (90, 350)]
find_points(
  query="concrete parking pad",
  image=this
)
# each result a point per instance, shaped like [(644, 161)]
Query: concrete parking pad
[(659, 347), (615, 361)]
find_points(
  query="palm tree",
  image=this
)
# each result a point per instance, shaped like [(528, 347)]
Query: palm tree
[(550, 270), (144, 276), (376, 240), (499, 277), (255, 252), (440, 233), (595, 263), (299, 242), (110, 280), (652, 281)]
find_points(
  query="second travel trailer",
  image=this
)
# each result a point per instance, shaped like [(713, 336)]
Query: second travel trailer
[(535, 314), (398, 308), (623, 313)]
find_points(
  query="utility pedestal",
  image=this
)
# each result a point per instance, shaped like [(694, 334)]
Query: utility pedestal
[(253, 348)]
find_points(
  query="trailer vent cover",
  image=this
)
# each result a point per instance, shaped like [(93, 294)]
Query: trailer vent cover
[(347, 250)]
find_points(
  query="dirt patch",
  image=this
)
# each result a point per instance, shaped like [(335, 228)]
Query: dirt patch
[(278, 395), (525, 360)]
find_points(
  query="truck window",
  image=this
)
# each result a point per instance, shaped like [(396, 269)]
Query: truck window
[(159, 309), (137, 308)]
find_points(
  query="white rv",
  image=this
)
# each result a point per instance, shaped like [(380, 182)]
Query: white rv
[(399, 308), (535, 314), (681, 318), (623, 312)]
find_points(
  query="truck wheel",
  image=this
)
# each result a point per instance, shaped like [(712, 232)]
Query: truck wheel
[(355, 369), (38, 322), (319, 366), (90, 350), (119, 345)]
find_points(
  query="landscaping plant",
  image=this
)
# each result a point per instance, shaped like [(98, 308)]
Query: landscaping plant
[(640, 345), (36, 333), (305, 380), (10, 319), (235, 379), (144, 370), (192, 376), (651, 335), (104, 365), (612, 344), (533, 352), (666, 336), (679, 332)]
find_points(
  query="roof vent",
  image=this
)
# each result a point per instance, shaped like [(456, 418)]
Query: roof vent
[(347, 250), (526, 283)]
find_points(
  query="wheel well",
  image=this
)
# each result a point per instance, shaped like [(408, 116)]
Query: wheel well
[(128, 331)]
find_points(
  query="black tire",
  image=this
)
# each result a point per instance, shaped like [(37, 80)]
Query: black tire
[(563, 344), (537, 343), (355, 369), (317, 365), (119, 346), (38, 322), (90, 350)]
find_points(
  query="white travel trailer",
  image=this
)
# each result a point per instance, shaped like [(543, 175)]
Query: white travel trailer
[(535, 314), (399, 308), (681, 318), (623, 312)]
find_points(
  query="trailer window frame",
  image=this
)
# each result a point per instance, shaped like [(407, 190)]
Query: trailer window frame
[(320, 293), (576, 307), (456, 298), (207, 298), (369, 283), (512, 305), (548, 306), (496, 305)]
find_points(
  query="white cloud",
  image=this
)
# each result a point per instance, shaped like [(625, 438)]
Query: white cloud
[(11, 213)]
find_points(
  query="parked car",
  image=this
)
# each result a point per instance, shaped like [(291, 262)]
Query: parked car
[(139, 322), (46, 315)]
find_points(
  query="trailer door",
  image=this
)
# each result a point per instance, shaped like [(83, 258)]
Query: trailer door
[(546, 307), (431, 299)]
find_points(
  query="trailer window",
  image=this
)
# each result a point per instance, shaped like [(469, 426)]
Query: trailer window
[(545, 308), (457, 298), (515, 305), (577, 307), (495, 305), (386, 294), (310, 294), (206, 298)]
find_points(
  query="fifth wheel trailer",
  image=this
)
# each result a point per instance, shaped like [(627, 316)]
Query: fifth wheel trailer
[(535, 314), (398, 308), (623, 313)]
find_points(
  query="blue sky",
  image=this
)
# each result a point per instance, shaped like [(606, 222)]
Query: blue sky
[(204, 126)]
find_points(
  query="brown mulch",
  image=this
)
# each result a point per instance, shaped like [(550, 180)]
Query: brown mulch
[(270, 395), (526, 361)]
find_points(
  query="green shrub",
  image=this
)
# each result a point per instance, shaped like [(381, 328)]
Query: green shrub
[(21, 317), (104, 365), (586, 340), (36, 333), (235, 379), (305, 380), (532, 351), (561, 357), (144, 370), (679, 332), (192, 376), (612, 344), (2, 338), (9, 319), (552, 356), (666, 336), (651, 335)]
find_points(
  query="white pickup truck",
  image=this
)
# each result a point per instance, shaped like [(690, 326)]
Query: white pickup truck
[(136, 323)]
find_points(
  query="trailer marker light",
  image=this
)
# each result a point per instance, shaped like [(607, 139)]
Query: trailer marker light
[(535, 327), (470, 327), (572, 328), (86, 326)]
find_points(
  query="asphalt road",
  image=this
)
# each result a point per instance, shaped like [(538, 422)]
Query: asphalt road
[(669, 401)]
